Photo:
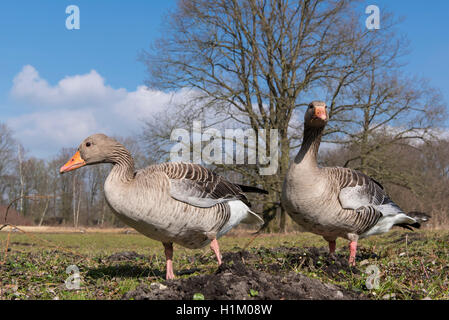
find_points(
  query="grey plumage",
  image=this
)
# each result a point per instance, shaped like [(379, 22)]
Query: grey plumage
[(335, 202), (199, 186), (357, 191)]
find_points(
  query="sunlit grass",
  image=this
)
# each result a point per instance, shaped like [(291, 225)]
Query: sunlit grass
[(412, 265)]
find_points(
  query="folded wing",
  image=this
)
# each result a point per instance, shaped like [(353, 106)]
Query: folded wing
[(199, 186)]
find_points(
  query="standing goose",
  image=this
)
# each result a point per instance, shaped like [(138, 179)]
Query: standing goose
[(336, 202), (170, 202)]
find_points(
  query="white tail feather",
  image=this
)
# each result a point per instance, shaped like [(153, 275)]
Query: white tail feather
[(240, 213)]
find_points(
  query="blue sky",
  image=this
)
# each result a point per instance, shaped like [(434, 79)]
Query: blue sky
[(426, 25), (111, 34), (40, 53)]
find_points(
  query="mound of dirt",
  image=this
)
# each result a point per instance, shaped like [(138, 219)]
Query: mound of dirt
[(234, 280)]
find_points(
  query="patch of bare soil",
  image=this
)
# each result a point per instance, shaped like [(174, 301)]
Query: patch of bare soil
[(236, 279)]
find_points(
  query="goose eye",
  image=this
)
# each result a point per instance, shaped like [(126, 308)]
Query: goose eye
[(87, 144)]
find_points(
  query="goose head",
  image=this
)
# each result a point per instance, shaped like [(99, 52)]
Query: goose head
[(316, 114), (97, 148)]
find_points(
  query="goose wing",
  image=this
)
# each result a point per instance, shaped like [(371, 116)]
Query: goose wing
[(199, 186), (359, 190)]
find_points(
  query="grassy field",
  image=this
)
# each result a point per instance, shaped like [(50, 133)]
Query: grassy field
[(408, 265)]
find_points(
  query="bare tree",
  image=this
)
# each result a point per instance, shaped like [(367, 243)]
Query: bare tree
[(384, 109), (65, 204), (6, 157), (20, 152)]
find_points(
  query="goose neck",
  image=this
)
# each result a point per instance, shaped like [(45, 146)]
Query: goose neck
[(123, 164), (310, 144)]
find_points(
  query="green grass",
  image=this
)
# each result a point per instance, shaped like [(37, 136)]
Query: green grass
[(35, 268)]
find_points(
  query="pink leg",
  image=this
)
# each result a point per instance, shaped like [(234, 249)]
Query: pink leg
[(169, 256), (216, 249), (352, 251), (332, 246)]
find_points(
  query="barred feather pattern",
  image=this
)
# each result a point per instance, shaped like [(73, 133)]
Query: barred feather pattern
[(361, 219), (207, 183), (370, 189), (152, 211)]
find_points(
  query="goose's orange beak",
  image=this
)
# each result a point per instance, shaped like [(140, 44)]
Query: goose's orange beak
[(320, 113), (74, 163)]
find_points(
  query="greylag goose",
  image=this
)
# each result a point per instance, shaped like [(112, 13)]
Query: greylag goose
[(178, 203), (333, 201)]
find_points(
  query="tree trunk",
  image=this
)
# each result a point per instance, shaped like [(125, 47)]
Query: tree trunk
[(22, 183)]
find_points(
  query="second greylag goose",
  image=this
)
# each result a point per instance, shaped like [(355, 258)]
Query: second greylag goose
[(333, 201), (178, 203)]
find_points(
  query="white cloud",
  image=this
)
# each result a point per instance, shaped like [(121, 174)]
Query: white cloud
[(47, 132), (64, 114), (142, 103), (70, 91)]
